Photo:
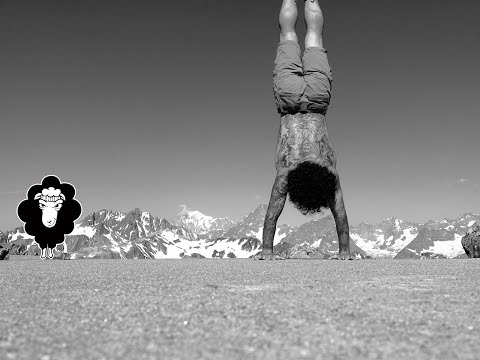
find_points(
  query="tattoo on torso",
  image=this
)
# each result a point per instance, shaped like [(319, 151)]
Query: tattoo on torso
[(303, 137)]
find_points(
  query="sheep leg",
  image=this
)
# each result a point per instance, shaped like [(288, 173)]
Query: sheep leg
[(50, 253), (43, 255)]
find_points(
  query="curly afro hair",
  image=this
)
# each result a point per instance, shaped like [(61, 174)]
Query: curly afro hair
[(311, 187), (29, 212)]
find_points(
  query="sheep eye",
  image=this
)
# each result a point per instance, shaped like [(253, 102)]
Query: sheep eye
[(58, 206), (42, 206)]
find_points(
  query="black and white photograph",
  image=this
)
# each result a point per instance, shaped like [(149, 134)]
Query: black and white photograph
[(280, 179)]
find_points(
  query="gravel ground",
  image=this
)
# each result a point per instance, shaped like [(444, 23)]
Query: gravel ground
[(239, 309)]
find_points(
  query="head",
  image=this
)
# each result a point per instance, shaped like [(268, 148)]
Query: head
[(311, 187), (50, 201)]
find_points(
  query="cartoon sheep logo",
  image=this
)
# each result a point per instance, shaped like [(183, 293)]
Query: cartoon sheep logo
[(49, 212)]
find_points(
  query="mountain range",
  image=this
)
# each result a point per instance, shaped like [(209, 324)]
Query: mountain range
[(138, 235)]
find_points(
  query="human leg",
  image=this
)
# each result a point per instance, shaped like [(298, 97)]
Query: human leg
[(317, 71), (288, 81), (287, 20), (314, 22)]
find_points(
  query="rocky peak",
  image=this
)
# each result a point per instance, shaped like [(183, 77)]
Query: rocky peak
[(133, 216), (249, 225), (261, 210), (3, 237), (363, 228), (101, 229), (475, 228), (95, 218), (164, 224), (200, 223), (257, 215)]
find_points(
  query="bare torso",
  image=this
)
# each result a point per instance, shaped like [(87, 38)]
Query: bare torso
[(303, 137)]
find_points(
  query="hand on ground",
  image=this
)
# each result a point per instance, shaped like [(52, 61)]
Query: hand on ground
[(342, 256), (269, 256)]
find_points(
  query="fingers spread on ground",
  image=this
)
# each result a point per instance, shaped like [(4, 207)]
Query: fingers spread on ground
[(270, 257), (342, 257)]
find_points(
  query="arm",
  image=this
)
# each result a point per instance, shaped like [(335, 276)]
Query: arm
[(341, 221), (275, 207)]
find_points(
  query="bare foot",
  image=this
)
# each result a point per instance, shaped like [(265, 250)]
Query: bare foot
[(342, 256), (269, 256)]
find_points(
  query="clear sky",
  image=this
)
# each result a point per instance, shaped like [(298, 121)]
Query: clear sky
[(153, 104)]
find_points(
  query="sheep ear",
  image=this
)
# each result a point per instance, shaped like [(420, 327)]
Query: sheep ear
[(62, 196), (37, 196)]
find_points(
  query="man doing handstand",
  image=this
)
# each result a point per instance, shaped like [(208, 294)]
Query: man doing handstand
[(305, 161)]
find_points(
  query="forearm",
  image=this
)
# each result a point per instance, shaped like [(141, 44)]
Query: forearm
[(275, 207), (341, 222)]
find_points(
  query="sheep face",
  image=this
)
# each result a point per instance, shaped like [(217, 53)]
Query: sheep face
[(50, 202), (50, 212)]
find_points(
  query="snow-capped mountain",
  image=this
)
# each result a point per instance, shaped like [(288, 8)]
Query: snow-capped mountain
[(399, 239), (202, 224), (252, 226), (311, 232), (321, 235), (439, 238), (328, 244), (138, 234), (432, 241), (133, 225), (385, 239)]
